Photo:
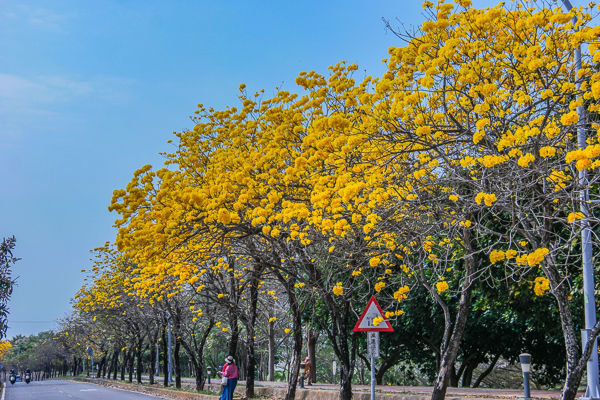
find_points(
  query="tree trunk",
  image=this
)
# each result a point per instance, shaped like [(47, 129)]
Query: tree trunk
[(312, 335), (100, 366), (450, 346), (250, 355), (450, 352), (271, 361), (104, 364), (235, 332), (153, 360), (138, 357), (467, 377), (200, 379), (297, 350), (123, 365), (131, 360), (115, 367), (338, 336), (386, 363), (177, 363), (453, 377), (165, 357), (576, 363), (485, 373)]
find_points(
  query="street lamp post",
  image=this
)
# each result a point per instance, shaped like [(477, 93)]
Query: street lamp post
[(525, 365), (592, 391)]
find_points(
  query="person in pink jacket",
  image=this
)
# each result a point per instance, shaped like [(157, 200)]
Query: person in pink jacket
[(230, 371)]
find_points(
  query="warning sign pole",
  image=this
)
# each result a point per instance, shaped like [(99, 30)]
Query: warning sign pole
[(372, 377), (365, 324), (373, 349)]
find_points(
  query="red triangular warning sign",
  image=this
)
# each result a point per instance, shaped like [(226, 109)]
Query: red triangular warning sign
[(372, 311)]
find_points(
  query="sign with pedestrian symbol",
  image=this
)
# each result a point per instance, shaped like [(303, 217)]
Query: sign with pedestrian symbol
[(372, 311)]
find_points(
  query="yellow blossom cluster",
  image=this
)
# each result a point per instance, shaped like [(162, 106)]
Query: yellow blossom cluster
[(532, 259), (379, 286), (389, 314), (401, 293), (487, 198), (541, 285), (583, 157), (338, 290), (572, 217), (442, 286)]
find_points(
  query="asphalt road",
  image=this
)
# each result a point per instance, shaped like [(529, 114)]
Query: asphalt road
[(59, 390)]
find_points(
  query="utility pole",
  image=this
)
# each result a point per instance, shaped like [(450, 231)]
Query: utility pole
[(592, 391)]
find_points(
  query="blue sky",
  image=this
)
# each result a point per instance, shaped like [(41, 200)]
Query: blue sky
[(92, 90)]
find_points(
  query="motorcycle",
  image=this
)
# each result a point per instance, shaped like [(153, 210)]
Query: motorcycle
[(27, 377), (12, 379)]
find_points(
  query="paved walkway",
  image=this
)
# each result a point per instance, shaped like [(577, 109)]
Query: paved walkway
[(426, 389), (478, 392)]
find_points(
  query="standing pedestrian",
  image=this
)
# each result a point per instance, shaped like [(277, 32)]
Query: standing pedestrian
[(230, 371)]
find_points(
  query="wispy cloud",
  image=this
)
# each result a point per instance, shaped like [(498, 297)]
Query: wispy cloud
[(41, 19), (41, 102), (21, 95)]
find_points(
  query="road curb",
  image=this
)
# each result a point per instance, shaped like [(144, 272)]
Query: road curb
[(3, 390)]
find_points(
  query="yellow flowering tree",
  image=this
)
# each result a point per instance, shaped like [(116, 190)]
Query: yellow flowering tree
[(486, 100), (465, 147)]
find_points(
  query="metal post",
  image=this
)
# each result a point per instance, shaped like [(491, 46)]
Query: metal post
[(526, 385), (592, 390), (92, 366), (372, 378), (170, 357), (334, 367)]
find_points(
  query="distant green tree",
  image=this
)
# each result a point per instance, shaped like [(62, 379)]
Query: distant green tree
[(6, 282)]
